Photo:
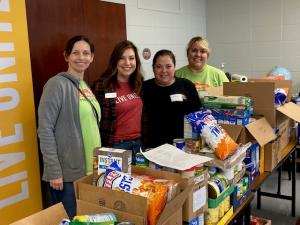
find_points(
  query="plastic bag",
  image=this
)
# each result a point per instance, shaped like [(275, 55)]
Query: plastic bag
[(214, 135)]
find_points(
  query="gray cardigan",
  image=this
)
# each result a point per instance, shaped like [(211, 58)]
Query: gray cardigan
[(59, 130)]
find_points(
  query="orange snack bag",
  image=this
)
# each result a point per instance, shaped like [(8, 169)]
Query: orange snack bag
[(155, 193), (214, 135)]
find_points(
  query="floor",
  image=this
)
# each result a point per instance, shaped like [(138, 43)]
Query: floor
[(278, 210)]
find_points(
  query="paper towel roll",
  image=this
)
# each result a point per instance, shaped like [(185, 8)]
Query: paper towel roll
[(240, 78)]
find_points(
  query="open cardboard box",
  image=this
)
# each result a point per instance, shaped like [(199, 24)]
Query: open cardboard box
[(262, 94), (259, 130), (54, 214), (134, 204), (196, 202)]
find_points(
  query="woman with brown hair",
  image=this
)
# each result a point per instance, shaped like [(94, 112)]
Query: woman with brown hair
[(118, 92)]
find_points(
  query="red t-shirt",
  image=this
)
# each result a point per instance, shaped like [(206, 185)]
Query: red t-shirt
[(129, 113)]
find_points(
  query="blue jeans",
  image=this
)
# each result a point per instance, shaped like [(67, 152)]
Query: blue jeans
[(133, 145), (66, 197)]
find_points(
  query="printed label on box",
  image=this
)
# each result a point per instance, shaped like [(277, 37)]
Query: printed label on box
[(106, 160), (199, 179), (199, 198)]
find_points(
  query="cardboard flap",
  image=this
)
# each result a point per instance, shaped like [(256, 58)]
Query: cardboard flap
[(232, 130), (176, 203), (291, 110), (113, 199), (261, 93), (49, 216), (85, 208), (215, 91), (262, 131), (279, 84)]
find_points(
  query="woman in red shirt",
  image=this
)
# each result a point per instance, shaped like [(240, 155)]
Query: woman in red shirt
[(118, 92)]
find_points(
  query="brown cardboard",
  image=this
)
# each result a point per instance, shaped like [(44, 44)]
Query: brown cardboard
[(215, 91), (200, 186), (84, 208), (271, 156), (259, 130), (103, 157), (262, 95), (291, 110), (54, 214), (50, 216), (133, 204)]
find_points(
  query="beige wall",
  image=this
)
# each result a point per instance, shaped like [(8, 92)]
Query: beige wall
[(252, 36)]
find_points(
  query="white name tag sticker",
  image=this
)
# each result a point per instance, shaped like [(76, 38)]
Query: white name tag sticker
[(176, 98), (111, 95)]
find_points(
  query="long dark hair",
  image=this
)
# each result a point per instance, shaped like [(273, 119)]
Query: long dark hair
[(111, 72)]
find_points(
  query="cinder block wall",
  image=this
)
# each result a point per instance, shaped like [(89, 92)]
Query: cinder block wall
[(253, 36)]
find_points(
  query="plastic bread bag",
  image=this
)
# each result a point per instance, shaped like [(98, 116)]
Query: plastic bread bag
[(156, 193), (214, 135), (280, 96)]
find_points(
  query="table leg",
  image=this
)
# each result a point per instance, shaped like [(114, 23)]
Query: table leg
[(258, 198), (279, 180), (293, 183)]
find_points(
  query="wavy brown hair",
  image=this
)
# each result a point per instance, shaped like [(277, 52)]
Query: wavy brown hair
[(111, 72)]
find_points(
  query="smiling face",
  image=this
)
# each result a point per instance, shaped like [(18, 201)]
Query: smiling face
[(126, 65), (79, 58), (164, 70), (197, 56)]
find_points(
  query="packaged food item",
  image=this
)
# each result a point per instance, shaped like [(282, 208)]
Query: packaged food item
[(221, 209), (109, 218), (103, 157), (140, 160), (179, 143), (215, 136), (226, 204), (227, 102), (280, 96), (155, 193), (211, 216)]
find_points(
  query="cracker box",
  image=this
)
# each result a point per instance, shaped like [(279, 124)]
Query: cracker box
[(103, 157)]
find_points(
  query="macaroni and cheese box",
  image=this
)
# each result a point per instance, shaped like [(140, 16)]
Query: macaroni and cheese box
[(103, 157)]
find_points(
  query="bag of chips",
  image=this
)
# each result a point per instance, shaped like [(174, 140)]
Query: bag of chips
[(214, 135), (156, 193)]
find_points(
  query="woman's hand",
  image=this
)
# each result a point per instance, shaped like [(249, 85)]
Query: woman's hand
[(57, 184)]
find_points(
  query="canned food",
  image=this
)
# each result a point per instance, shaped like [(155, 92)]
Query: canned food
[(140, 160), (155, 166), (179, 143)]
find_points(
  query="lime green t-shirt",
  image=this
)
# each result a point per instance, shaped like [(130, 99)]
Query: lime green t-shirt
[(209, 77), (89, 127)]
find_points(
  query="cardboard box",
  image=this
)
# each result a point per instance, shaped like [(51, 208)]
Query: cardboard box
[(103, 157), (54, 214), (50, 216), (259, 130), (271, 156), (134, 204), (259, 221), (198, 220), (262, 95), (196, 202)]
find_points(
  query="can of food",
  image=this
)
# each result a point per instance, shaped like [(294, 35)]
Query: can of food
[(155, 166), (179, 143), (140, 160), (101, 217)]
